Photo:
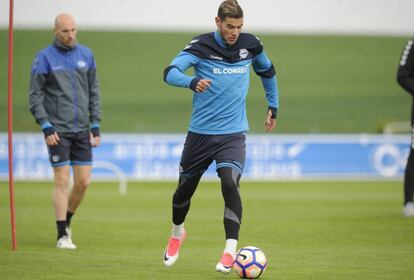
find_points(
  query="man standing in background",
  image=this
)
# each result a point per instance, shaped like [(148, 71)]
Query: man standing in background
[(221, 61), (405, 78), (65, 101)]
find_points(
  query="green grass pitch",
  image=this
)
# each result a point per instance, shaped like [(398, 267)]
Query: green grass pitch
[(308, 230), (327, 84)]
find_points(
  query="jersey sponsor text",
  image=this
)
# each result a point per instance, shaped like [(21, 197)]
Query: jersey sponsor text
[(230, 71)]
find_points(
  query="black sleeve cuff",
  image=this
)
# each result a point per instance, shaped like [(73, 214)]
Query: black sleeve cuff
[(274, 112), (49, 131), (95, 132), (269, 73), (194, 82)]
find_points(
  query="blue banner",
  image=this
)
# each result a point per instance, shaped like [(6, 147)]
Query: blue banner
[(269, 157)]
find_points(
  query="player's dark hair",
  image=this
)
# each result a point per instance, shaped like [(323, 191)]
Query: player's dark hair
[(231, 9)]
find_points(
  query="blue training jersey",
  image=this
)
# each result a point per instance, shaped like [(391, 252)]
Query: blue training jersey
[(221, 109)]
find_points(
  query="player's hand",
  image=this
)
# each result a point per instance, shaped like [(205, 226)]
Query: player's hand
[(95, 140), (269, 123), (203, 85), (52, 139)]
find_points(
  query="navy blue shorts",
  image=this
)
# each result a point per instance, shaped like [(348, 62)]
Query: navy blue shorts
[(73, 149), (228, 150)]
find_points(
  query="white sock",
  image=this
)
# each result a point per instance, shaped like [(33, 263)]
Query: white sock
[(177, 230), (231, 247)]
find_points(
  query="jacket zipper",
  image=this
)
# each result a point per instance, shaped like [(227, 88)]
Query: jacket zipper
[(74, 94)]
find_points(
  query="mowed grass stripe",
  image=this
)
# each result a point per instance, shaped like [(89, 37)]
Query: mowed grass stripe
[(308, 230)]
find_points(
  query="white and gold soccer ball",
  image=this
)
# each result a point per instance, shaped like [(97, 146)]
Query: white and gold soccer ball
[(250, 262)]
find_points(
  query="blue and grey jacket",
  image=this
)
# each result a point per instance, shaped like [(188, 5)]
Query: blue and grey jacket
[(221, 109), (64, 90)]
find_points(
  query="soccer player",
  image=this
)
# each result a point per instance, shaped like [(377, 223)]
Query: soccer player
[(405, 78), (65, 101), (221, 61)]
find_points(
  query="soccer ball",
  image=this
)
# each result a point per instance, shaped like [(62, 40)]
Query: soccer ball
[(250, 262)]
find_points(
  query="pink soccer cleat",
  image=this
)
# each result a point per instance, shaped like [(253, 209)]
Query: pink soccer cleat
[(173, 249), (225, 264)]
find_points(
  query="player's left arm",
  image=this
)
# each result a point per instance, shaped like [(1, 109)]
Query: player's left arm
[(94, 105), (405, 73), (265, 69)]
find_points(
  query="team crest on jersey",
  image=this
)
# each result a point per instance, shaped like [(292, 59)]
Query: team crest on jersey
[(243, 53), (81, 63)]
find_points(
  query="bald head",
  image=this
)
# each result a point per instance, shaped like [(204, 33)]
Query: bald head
[(63, 18), (65, 29)]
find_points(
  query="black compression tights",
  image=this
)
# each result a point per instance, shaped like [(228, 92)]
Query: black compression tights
[(232, 202), (230, 190), (182, 197)]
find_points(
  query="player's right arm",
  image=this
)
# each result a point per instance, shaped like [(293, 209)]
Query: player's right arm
[(39, 73), (405, 74), (175, 75)]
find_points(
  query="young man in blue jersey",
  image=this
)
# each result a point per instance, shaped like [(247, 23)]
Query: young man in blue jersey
[(65, 101), (221, 61), (405, 77)]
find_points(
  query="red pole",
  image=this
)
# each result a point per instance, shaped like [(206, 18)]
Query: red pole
[(10, 126)]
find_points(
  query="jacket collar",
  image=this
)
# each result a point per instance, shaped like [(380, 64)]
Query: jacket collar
[(61, 46)]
